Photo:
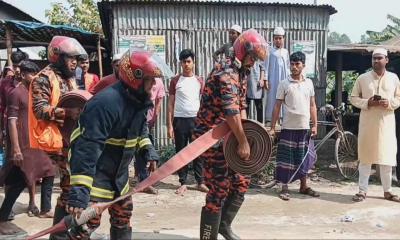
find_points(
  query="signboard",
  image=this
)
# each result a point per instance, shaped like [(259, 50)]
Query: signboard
[(308, 48), (153, 43)]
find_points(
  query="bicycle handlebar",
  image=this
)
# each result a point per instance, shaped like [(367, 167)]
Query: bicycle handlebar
[(329, 108)]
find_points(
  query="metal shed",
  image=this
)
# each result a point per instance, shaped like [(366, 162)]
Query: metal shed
[(202, 26)]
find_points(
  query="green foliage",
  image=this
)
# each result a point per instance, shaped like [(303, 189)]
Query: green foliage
[(76, 13), (166, 153), (390, 31), (43, 54), (349, 78), (337, 38), (365, 39)]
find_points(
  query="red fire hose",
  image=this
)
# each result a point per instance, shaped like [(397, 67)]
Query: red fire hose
[(260, 151)]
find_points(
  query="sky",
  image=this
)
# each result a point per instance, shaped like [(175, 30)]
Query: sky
[(354, 17)]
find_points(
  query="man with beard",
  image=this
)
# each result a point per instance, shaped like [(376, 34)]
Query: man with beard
[(112, 129), (109, 79), (377, 94), (224, 99), (226, 49), (45, 117)]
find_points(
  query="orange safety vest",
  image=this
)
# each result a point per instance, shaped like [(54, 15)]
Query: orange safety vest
[(45, 135)]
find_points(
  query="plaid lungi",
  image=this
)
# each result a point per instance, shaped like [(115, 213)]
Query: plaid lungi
[(295, 155)]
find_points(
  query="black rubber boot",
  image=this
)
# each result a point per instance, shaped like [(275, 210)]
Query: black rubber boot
[(209, 225), (120, 233), (229, 211), (11, 217), (59, 214)]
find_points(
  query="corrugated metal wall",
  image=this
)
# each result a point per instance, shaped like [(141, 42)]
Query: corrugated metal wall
[(203, 28)]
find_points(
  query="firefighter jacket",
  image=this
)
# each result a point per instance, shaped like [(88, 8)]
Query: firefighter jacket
[(111, 129)]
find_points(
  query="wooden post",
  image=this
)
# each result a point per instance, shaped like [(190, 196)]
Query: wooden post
[(338, 79), (9, 45), (100, 62)]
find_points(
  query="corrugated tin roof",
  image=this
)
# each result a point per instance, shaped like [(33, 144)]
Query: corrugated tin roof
[(20, 12), (363, 48), (40, 34), (395, 41), (331, 9)]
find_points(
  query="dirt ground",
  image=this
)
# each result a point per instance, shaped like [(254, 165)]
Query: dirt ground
[(263, 215)]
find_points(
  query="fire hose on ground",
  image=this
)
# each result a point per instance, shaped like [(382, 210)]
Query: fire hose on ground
[(260, 151)]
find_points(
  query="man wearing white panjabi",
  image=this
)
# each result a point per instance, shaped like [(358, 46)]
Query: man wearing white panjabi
[(276, 69), (377, 94)]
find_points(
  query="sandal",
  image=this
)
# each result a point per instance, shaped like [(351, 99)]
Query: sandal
[(359, 197), (392, 197), (33, 211), (284, 195), (310, 192)]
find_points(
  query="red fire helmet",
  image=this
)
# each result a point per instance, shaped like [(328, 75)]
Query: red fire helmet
[(64, 45), (250, 42), (136, 66)]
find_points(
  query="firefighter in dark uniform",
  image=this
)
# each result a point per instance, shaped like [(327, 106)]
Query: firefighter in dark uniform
[(225, 90), (112, 128)]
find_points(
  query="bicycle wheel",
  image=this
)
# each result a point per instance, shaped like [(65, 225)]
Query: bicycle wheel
[(346, 155)]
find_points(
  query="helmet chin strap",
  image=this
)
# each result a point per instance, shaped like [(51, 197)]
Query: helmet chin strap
[(61, 66), (139, 94), (237, 63)]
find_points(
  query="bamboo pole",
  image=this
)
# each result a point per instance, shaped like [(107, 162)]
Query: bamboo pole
[(24, 43), (100, 57), (9, 45), (338, 79)]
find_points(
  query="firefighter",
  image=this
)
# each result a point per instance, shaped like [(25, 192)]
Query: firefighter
[(224, 99), (111, 129), (45, 118)]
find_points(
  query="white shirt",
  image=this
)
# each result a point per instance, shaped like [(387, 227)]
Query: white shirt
[(296, 96), (187, 97)]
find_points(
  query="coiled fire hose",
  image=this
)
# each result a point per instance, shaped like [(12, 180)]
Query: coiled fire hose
[(260, 151)]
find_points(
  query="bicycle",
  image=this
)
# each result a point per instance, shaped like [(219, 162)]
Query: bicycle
[(345, 154)]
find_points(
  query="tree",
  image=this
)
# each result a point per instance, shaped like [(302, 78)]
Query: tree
[(82, 14), (365, 39), (390, 31), (337, 38), (349, 78)]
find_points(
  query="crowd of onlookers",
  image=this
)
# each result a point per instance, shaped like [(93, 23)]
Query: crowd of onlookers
[(184, 90), (290, 101)]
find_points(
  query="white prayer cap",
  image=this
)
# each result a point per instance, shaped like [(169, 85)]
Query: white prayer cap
[(236, 28), (279, 31), (380, 51), (117, 56)]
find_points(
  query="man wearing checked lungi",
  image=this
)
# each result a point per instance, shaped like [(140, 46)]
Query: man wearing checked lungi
[(295, 154)]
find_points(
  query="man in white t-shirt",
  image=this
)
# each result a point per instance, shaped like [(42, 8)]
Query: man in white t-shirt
[(183, 104), (294, 158)]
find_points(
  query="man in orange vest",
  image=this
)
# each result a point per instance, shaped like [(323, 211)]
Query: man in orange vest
[(88, 80), (45, 117)]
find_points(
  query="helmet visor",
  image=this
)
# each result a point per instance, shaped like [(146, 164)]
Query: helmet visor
[(72, 48), (163, 70)]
